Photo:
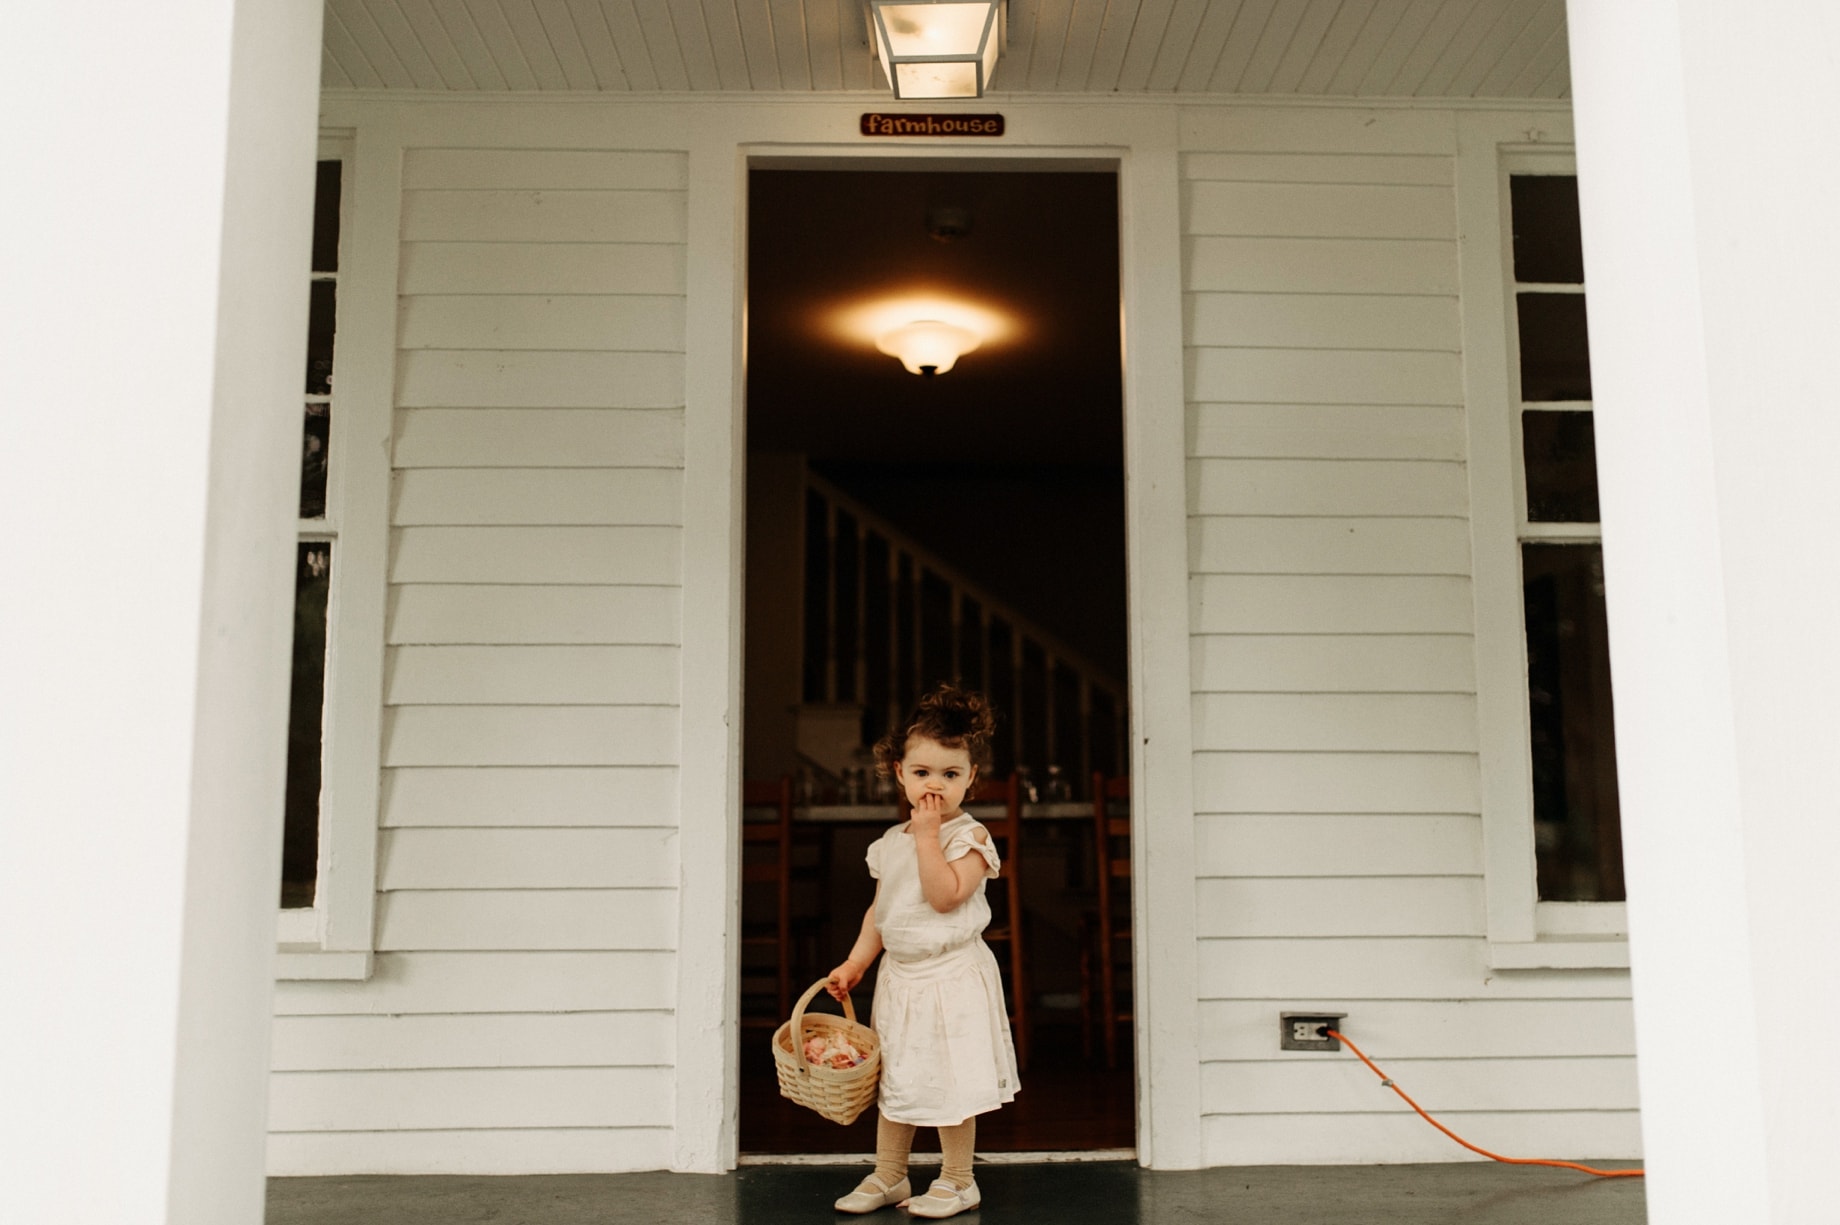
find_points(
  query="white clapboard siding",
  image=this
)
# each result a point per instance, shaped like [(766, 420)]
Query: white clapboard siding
[(1320, 210), (530, 736), (513, 378), (612, 556), (637, 322), (1401, 1137), (470, 1097), (1425, 170), (1330, 663), (575, 216), (1342, 487), (1336, 722), (548, 675), (1324, 321), (1317, 131), (586, 919), (1319, 265), (1432, 1029), (492, 1040), (1324, 376), (1336, 782), (1439, 1085), (451, 797), (508, 497), (1325, 431), (1305, 906), (461, 613), (491, 982), (556, 169), (549, 1150), (1352, 969), (539, 858), (476, 438), (1340, 545), (536, 268), (1337, 844), (1329, 604)]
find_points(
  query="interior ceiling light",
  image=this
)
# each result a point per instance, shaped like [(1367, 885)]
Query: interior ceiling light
[(937, 48), (928, 346)]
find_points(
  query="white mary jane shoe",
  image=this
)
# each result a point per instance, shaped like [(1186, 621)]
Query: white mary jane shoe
[(860, 1201), (942, 1199)]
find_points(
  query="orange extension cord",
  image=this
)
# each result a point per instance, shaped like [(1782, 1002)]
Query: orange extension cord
[(1387, 1081)]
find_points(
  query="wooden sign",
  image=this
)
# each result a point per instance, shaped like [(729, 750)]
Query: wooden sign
[(877, 124)]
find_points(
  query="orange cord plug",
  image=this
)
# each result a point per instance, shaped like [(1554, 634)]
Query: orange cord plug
[(1387, 1081)]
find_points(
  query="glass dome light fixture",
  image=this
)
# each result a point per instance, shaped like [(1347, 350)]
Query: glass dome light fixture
[(937, 48), (928, 347)]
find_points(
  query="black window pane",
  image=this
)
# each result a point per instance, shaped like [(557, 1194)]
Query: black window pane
[(315, 446), (326, 218), (1559, 448), (1577, 827), (1546, 243), (306, 707), (1555, 353), (322, 318)]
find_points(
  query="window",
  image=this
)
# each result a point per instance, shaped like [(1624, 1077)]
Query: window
[(1552, 836), (328, 852)]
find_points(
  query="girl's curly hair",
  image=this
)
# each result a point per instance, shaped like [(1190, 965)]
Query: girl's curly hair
[(950, 716)]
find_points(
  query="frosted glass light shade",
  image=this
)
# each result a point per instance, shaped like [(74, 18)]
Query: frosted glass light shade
[(937, 48), (928, 346)]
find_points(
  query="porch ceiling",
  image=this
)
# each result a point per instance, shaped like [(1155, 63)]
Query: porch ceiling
[(1368, 48)]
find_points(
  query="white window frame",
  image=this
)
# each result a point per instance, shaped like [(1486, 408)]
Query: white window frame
[(332, 939), (1523, 932)]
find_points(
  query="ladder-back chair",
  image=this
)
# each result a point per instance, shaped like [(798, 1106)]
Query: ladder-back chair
[(774, 869), (1111, 925)]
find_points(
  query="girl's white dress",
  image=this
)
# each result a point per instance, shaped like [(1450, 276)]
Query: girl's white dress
[(939, 1012)]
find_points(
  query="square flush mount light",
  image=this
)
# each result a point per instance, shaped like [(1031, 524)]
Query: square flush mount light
[(937, 48)]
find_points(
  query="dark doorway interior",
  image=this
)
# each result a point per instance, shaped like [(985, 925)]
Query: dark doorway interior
[(905, 529)]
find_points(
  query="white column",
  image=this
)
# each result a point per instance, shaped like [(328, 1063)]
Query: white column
[(1710, 194), (157, 215)]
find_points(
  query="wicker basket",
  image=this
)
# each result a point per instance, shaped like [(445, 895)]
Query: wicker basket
[(839, 1094)]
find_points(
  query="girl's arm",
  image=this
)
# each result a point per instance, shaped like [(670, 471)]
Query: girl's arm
[(946, 885), (868, 946)]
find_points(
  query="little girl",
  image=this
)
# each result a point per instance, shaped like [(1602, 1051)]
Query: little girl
[(947, 1056)]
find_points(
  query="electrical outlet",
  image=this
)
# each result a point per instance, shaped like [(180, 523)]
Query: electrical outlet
[(1309, 1031)]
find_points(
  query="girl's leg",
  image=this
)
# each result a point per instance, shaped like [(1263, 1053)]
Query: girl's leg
[(887, 1183), (956, 1145)]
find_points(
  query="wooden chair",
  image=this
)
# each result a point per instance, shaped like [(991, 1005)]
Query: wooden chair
[(773, 868), (1111, 923), (1006, 924)]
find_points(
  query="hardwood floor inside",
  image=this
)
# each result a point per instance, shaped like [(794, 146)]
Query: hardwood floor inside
[(1066, 1103)]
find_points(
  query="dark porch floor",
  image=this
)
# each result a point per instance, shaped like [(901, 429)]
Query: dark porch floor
[(1110, 1193)]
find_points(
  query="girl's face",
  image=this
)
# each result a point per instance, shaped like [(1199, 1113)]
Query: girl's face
[(930, 768)]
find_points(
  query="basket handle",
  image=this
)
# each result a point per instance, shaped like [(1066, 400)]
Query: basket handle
[(798, 1020)]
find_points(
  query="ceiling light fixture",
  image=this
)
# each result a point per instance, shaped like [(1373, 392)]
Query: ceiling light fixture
[(937, 48), (927, 346)]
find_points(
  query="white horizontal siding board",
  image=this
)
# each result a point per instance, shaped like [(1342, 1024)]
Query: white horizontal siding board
[(1336, 722), (477, 1040), (1403, 169), (510, 378), (1329, 604), (587, 919), (1356, 969), (1342, 906), (554, 675), (1243, 545), (527, 859), (530, 736), (1319, 265), (1336, 845), (558, 555), (1403, 1138), (1439, 1085), (1319, 210), (543, 216), (1336, 782), (1324, 376), (470, 1097), (633, 322), (554, 268), (539, 438), (1349, 487), (465, 613), (511, 497), (1323, 321), (491, 982), (480, 1151), (547, 796), (1309, 431), (1260, 129), (1324, 663), (548, 169), (1436, 1029)]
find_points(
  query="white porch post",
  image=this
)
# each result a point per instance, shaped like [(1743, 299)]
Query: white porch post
[(1710, 190), (159, 161)]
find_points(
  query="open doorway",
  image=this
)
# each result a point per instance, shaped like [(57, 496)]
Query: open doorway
[(906, 528)]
